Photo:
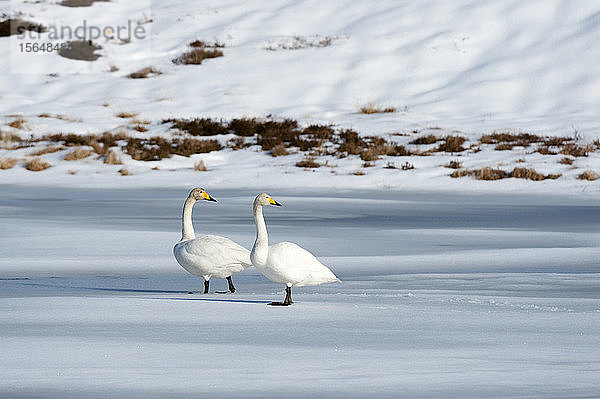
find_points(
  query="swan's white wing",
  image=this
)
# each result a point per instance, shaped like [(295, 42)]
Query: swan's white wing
[(212, 256), (292, 264)]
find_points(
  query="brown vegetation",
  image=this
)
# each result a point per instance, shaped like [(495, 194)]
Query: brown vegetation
[(196, 56), (47, 150), (428, 139), (279, 150), (308, 162), (198, 126), (566, 161), (588, 175), (487, 173), (125, 115), (7, 163), (453, 165), (17, 123), (203, 44), (36, 165), (575, 150), (452, 144), (140, 128), (375, 109), (77, 154), (144, 72)]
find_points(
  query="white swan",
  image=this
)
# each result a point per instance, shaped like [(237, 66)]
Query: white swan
[(285, 262), (208, 256)]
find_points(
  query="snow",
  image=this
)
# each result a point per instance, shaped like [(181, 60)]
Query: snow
[(441, 296), (465, 68)]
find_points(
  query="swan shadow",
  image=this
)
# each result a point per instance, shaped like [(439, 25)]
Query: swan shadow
[(74, 287), (147, 291), (214, 300)]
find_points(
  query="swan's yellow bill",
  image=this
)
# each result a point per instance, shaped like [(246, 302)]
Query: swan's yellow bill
[(273, 202), (208, 197)]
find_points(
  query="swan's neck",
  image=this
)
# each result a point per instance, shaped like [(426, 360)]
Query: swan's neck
[(187, 228), (260, 250)]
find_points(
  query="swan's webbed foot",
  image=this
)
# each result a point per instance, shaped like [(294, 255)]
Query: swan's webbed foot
[(230, 284), (206, 284), (287, 301), (278, 304)]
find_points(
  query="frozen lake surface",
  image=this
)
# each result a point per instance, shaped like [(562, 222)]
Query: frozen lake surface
[(442, 296)]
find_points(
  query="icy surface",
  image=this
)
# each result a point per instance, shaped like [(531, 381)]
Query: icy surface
[(442, 296)]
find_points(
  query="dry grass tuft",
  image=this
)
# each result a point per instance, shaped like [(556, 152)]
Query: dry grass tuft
[(77, 154), (453, 165), (588, 175), (200, 166), (7, 163), (485, 173), (112, 158), (203, 44), (428, 139), (375, 109), (575, 150), (36, 165), (504, 147), (308, 162), (17, 123), (566, 161), (279, 150), (245, 127), (238, 143), (47, 150), (144, 72), (125, 115), (527, 173), (521, 139), (198, 126), (196, 56), (545, 150), (140, 128), (359, 173), (452, 144)]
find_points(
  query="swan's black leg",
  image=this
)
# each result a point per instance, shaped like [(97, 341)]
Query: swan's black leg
[(231, 287), (206, 283), (288, 298)]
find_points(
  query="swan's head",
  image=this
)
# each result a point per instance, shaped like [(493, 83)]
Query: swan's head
[(200, 195), (265, 199)]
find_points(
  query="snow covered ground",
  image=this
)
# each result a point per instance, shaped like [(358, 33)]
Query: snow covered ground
[(466, 68), (442, 296)]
